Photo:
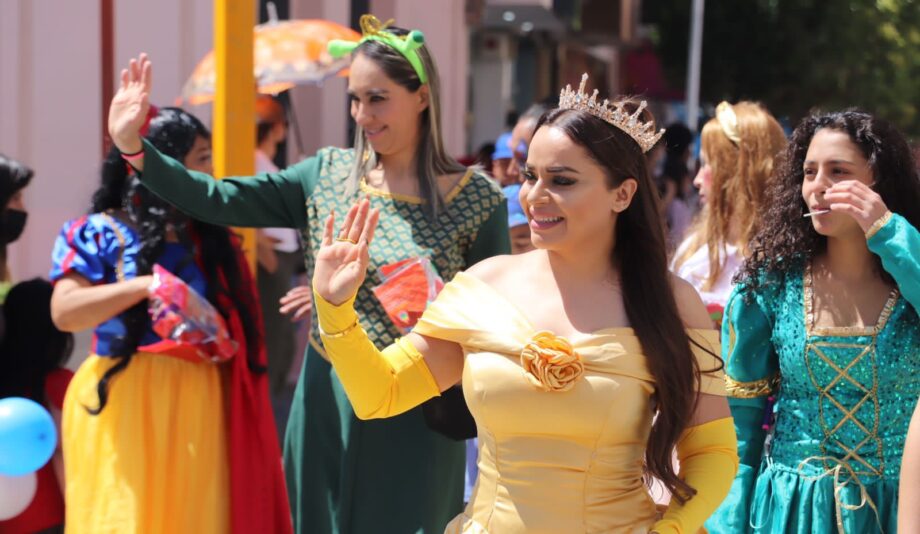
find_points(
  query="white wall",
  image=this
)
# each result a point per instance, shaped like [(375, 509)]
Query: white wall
[(444, 24), (322, 111), (49, 115), (176, 34)]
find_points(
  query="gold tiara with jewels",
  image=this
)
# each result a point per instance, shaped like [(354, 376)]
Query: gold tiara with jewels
[(614, 113)]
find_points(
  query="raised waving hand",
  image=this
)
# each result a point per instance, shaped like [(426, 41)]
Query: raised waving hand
[(129, 106), (341, 263)]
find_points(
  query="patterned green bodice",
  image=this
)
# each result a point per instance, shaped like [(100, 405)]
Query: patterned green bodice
[(404, 231)]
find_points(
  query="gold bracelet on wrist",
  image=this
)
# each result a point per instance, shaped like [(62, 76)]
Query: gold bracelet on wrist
[(878, 224), (339, 334)]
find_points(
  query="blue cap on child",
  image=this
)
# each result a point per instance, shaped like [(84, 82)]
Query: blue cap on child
[(503, 147), (516, 215)]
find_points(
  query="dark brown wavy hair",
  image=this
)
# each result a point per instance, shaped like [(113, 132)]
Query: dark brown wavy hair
[(640, 256), (786, 240)]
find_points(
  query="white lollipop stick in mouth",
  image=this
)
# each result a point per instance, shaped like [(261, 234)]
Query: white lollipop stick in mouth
[(819, 212)]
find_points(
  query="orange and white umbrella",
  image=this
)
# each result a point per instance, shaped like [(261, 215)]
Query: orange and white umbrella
[(286, 53)]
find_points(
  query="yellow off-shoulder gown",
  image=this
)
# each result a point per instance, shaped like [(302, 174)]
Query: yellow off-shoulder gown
[(553, 461)]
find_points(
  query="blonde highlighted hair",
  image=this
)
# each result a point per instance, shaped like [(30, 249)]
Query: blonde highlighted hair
[(740, 171), (432, 160)]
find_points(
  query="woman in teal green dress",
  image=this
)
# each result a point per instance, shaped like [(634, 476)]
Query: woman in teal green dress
[(345, 475), (821, 338)]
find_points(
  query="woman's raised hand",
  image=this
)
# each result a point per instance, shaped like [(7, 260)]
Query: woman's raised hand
[(128, 110), (857, 200), (341, 263)]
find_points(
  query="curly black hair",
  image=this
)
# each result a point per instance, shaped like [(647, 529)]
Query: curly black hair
[(786, 240), (173, 132)]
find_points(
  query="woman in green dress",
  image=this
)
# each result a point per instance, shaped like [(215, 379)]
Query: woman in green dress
[(345, 475)]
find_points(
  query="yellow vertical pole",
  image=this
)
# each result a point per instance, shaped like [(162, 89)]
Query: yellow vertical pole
[(234, 137)]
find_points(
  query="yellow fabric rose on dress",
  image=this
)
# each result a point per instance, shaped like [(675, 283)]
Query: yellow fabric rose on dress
[(550, 363)]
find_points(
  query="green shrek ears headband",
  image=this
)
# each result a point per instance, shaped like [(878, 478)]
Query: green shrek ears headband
[(374, 30)]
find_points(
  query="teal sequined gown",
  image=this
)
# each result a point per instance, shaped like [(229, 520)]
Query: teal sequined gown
[(843, 400)]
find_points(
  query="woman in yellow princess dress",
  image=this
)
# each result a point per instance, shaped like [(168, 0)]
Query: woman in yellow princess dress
[(584, 362)]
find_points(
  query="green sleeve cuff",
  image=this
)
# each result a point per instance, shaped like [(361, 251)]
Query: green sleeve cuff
[(897, 243)]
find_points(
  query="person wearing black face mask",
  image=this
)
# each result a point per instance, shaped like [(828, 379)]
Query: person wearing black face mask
[(14, 177), (14, 221)]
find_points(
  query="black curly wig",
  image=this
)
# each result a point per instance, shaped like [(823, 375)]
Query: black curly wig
[(173, 132), (787, 240)]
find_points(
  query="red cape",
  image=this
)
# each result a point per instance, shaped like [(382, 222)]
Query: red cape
[(258, 497)]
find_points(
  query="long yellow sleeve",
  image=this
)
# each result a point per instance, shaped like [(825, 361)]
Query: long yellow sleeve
[(378, 384), (708, 455)]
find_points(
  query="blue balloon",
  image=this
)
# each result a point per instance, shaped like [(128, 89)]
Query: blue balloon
[(27, 436)]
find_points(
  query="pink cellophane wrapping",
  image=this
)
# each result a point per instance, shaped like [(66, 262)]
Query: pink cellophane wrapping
[(180, 314)]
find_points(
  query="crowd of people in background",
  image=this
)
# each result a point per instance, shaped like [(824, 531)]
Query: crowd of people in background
[(760, 295)]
